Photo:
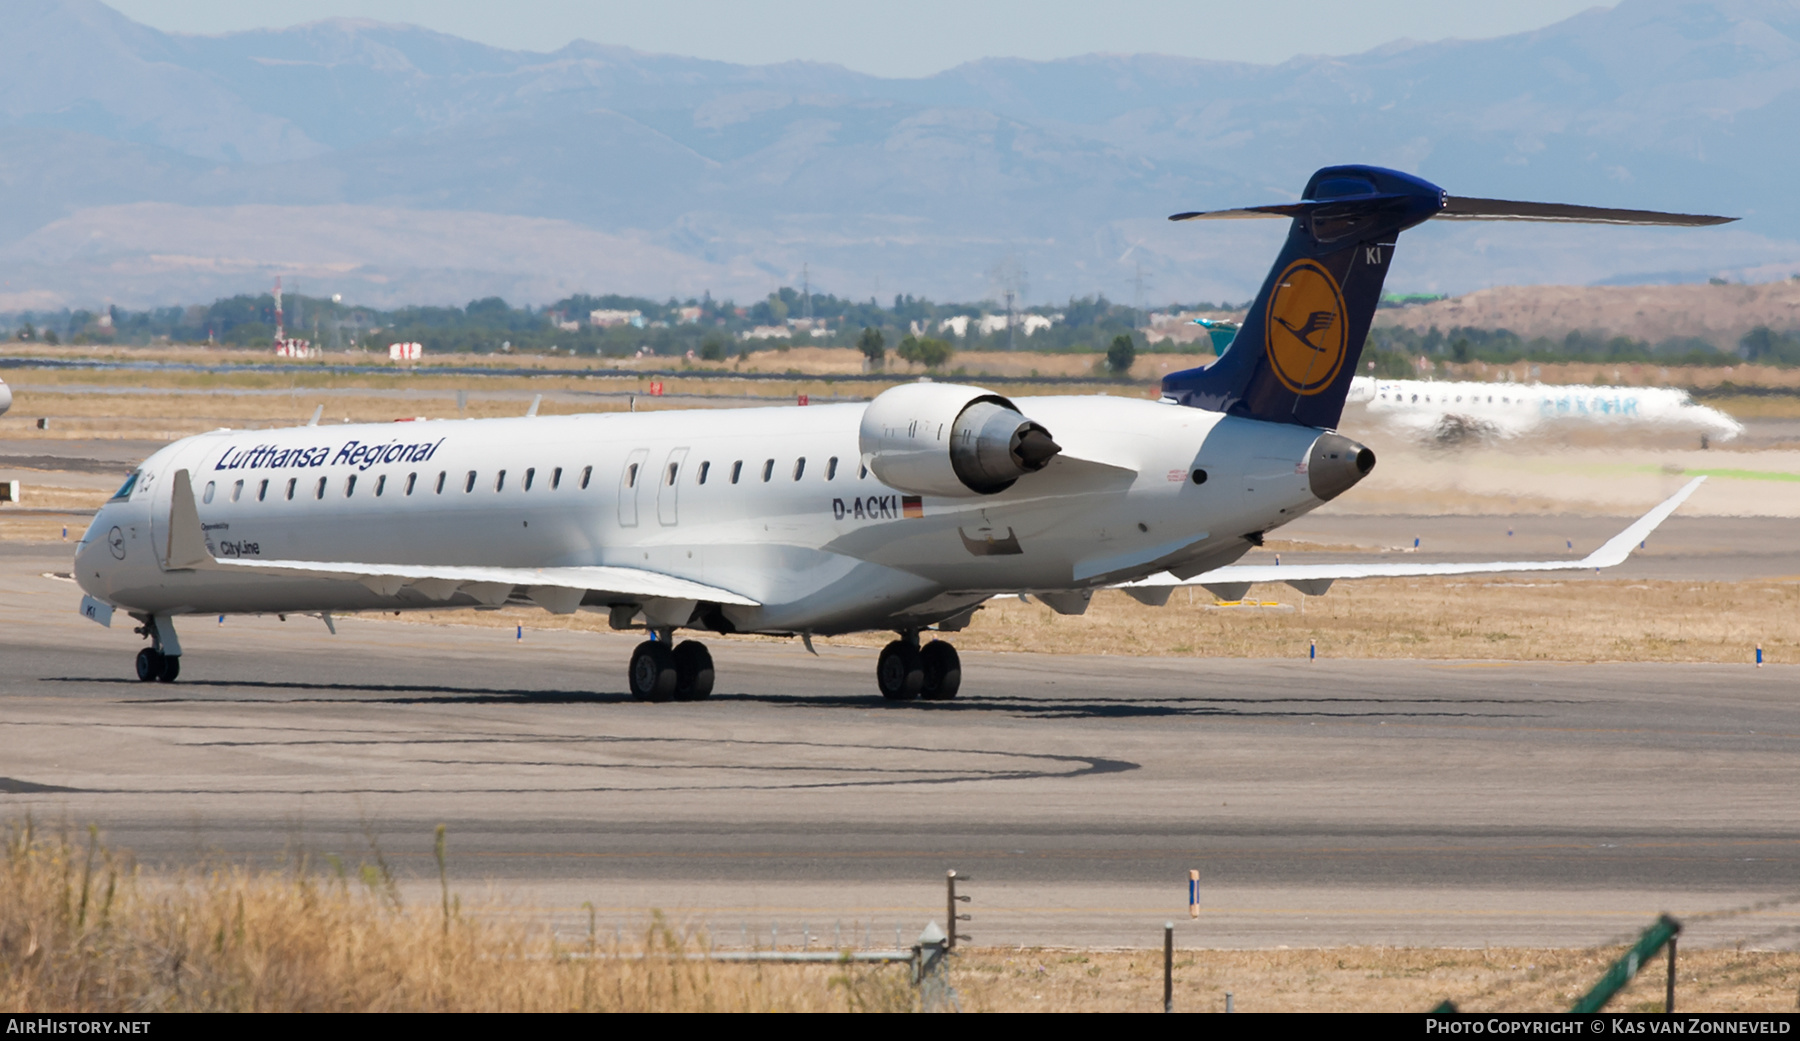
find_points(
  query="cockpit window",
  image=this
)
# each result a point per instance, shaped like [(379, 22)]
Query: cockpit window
[(124, 491)]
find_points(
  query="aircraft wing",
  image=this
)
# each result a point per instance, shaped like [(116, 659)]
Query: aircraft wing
[(1313, 579), (559, 589), (391, 578)]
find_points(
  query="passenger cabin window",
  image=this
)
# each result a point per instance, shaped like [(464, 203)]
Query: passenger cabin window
[(411, 479), (831, 469), (469, 484), (124, 491), (500, 481), (586, 472), (768, 470), (349, 486), (556, 478), (530, 474), (737, 470), (440, 482), (704, 467), (207, 498), (237, 491), (319, 492), (799, 467), (292, 483), (262, 490), (380, 485), (674, 470), (631, 476)]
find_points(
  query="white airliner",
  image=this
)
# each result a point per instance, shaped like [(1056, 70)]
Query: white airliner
[(902, 514), (1508, 409)]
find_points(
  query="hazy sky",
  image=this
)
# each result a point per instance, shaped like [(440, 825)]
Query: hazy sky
[(910, 38)]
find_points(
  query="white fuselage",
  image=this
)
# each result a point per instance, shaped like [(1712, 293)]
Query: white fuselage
[(1514, 408), (774, 504)]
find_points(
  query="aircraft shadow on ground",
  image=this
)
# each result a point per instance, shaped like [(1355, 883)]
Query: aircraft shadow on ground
[(1050, 707)]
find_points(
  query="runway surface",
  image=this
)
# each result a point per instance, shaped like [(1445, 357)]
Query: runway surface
[(1407, 803)]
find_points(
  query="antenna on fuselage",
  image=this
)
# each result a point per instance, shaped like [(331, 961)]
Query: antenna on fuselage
[(317, 412), (535, 402)]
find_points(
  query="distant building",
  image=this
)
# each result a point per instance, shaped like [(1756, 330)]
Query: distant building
[(405, 351), (768, 332), (989, 324), (604, 318), (296, 349), (688, 314)]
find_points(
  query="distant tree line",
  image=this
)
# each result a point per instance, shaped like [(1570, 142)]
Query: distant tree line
[(909, 327), (711, 329), (1393, 349)]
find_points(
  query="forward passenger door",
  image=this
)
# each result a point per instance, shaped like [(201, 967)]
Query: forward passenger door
[(668, 487)]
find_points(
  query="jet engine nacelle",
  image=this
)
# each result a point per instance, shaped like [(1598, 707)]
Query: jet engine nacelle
[(946, 439)]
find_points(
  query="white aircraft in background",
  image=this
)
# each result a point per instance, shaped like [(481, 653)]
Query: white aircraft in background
[(903, 514), (1446, 408), (5, 397)]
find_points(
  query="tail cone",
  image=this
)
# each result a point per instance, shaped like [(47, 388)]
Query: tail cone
[(1336, 464)]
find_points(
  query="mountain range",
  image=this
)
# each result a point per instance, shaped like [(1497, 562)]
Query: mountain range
[(394, 164)]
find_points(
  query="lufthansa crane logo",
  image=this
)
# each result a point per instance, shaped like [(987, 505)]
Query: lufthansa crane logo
[(1304, 335)]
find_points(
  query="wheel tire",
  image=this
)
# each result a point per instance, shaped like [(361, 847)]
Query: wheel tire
[(899, 672), (943, 671), (171, 668), (149, 665), (652, 672), (693, 670)]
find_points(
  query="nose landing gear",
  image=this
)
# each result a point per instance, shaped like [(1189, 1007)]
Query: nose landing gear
[(161, 661), (155, 665)]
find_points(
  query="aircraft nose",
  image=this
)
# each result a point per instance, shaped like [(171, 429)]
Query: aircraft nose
[(1336, 464)]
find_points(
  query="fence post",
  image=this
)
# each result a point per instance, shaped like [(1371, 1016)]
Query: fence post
[(1168, 966), (950, 902), (1669, 991)]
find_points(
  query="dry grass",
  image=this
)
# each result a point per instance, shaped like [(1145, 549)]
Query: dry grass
[(1365, 979), (1576, 619), (82, 930)]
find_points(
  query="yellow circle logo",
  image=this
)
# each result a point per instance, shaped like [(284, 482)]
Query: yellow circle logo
[(1304, 334)]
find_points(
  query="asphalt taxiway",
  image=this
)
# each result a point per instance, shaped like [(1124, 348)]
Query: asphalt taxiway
[(1459, 803)]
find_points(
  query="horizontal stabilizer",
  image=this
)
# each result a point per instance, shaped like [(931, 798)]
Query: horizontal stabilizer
[(1615, 551), (1458, 207)]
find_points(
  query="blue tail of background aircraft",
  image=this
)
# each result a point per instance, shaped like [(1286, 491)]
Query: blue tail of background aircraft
[(1298, 348)]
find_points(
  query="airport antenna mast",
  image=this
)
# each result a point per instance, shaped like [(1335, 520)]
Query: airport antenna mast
[(280, 332)]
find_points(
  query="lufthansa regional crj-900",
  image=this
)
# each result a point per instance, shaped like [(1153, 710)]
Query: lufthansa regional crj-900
[(905, 513)]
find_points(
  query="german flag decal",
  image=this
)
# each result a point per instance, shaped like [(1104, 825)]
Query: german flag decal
[(911, 506)]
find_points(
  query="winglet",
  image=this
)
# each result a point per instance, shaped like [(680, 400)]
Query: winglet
[(187, 543), (1619, 546)]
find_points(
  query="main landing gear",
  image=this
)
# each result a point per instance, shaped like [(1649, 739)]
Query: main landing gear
[(161, 661), (662, 673), (906, 670)]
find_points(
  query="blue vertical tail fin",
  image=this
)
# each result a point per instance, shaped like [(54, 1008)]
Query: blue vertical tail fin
[(1298, 347), (1294, 355)]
